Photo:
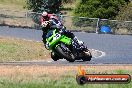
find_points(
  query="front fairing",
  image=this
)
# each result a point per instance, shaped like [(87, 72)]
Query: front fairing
[(53, 38)]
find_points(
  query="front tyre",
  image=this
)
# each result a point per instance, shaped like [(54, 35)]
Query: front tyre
[(54, 56), (65, 52)]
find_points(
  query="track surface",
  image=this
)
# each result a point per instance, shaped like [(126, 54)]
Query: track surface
[(117, 48)]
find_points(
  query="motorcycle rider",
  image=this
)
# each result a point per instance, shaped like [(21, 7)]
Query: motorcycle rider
[(49, 22)]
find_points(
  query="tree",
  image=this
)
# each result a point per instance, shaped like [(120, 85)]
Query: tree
[(68, 1), (99, 8), (125, 13), (51, 6)]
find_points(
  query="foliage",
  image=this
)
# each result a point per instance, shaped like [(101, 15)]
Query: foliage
[(99, 8), (84, 22), (125, 13), (68, 1), (51, 6)]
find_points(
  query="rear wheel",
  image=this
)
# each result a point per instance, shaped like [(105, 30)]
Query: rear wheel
[(87, 56), (65, 52)]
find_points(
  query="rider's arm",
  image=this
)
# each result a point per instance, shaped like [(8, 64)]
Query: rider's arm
[(41, 20), (54, 20), (44, 23)]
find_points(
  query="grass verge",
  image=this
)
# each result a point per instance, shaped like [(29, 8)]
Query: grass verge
[(18, 50), (54, 77)]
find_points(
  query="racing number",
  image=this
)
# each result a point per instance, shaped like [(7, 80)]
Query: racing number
[(57, 36)]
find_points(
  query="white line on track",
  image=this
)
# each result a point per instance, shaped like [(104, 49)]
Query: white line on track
[(93, 51)]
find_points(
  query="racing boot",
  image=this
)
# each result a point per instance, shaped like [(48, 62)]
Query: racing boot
[(78, 41), (45, 44)]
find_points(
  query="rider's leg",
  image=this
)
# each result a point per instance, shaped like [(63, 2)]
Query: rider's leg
[(71, 35), (44, 39), (77, 40)]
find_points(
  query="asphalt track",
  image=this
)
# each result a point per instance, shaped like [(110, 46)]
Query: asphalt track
[(110, 49)]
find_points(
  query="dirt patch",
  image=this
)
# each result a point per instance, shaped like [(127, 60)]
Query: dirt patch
[(123, 31), (18, 22), (14, 14), (32, 72)]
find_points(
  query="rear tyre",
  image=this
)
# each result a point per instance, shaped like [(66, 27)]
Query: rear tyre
[(65, 52), (54, 56), (87, 56)]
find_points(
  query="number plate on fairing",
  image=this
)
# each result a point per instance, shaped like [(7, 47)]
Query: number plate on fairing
[(57, 36)]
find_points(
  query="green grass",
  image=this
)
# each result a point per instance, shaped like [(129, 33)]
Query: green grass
[(18, 50), (9, 48), (67, 81)]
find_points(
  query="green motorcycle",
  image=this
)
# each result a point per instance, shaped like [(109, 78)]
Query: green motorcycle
[(62, 46)]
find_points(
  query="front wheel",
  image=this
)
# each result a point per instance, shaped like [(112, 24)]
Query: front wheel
[(54, 56), (65, 53)]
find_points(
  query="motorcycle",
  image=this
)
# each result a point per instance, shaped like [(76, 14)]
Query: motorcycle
[(63, 47)]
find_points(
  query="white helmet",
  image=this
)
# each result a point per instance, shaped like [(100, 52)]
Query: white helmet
[(44, 13)]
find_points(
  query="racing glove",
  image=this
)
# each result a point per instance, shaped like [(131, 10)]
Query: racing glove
[(45, 23)]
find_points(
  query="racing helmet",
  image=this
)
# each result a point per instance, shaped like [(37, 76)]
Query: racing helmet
[(44, 14)]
